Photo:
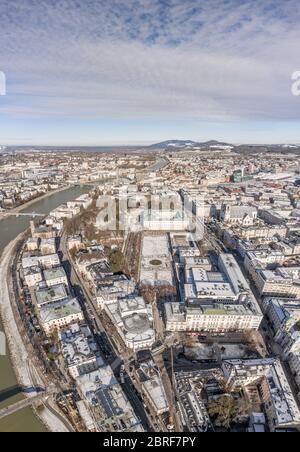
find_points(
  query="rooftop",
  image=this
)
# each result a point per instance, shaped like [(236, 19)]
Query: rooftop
[(286, 408), (55, 273), (78, 345), (50, 295), (101, 389), (59, 310)]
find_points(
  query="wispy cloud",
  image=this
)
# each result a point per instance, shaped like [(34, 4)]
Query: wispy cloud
[(139, 59)]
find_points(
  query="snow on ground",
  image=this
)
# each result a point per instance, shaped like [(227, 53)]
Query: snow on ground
[(23, 365)]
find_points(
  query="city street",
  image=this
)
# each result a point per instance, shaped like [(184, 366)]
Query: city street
[(107, 345)]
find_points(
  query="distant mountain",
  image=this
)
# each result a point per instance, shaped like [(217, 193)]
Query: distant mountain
[(169, 145), (215, 143), (172, 144), (179, 144), (268, 148)]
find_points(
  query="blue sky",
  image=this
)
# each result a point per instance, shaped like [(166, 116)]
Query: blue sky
[(92, 72)]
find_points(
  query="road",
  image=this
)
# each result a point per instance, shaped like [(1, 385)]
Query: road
[(19, 214), (170, 392), (69, 427), (136, 403), (108, 348), (138, 388), (175, 273), (158, 321), (215, 243), (158, 165)]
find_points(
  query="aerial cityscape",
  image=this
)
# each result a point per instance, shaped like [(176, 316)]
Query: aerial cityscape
[(149, 284)]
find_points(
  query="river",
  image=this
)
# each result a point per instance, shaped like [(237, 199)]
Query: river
[(10, 228), (158, 165)]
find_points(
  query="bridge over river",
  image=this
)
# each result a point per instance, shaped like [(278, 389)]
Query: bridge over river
[(41, 395), (20, 214)]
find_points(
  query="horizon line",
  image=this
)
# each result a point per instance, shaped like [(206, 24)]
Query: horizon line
[(148, 144)]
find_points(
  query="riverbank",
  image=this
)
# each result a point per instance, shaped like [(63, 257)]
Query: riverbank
[(11, 227), (32, 201), (26, 370)]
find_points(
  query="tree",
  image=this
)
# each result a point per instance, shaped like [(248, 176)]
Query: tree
[(190, 341), (90, 232), (116, 260), (72, 226), (73, 253), (224, 409), (148, 293)]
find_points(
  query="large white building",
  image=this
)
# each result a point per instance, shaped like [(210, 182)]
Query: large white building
[(165, 220), (218, 319), (133, 320), (215, 301)]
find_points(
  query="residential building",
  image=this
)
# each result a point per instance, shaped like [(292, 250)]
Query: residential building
[(79, 350), (58, 315), (32, 276), (277, 398), (55, 277), (48, 246), (282, 282), (50, 295), (32, 244), (241, 215), (152, 386)]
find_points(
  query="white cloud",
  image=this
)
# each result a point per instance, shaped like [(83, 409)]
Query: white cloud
[(138, 59)]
